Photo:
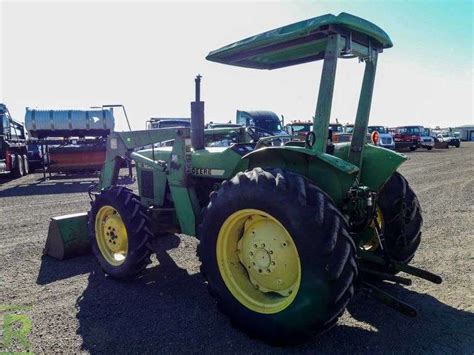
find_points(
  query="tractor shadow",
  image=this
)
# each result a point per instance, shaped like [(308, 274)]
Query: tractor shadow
[(438, 327), (59, 184), (52, 270), (69, 176), (47, 188), (167, 310)]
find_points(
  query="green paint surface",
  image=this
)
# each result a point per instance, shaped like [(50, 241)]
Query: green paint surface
[(295, 43)]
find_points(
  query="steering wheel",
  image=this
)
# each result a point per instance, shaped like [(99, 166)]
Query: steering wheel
[(256, 133)]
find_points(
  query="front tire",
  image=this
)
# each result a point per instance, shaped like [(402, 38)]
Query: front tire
[(277, 255), (119, 231)]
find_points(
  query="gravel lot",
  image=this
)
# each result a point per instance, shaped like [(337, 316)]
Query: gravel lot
[(74, 308)]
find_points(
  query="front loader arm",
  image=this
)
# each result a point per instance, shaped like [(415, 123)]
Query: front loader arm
[(121, 145)]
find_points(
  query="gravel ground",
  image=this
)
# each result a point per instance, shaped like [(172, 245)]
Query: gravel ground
[(74, 308)]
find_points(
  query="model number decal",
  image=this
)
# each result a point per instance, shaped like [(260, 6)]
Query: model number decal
[(207, 171)]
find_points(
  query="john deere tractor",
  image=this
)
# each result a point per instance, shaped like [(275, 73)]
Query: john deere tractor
[(288, 232)]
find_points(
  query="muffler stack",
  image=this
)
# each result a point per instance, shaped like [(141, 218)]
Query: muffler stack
[(197, 118)]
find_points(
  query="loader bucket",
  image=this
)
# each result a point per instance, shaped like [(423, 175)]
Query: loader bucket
[(67, 236)]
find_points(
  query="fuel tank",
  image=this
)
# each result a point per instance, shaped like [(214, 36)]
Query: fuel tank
[(93, 122)]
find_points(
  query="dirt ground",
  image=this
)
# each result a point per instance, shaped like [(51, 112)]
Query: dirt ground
[(74, 308)]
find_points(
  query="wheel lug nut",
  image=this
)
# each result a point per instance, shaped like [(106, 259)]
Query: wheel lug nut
[(251, 254), (263, 245)]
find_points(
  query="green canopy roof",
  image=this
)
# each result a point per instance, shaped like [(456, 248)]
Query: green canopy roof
[(301, 42)]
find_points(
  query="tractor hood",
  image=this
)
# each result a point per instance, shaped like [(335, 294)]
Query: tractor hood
[(301, 42)]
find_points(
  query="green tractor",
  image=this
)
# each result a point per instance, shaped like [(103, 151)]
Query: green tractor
[(287, 232)]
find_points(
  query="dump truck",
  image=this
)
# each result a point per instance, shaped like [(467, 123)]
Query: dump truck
[(299, 128), (13, 149), (287, 234)]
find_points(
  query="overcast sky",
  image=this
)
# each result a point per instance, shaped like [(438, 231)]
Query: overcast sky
[(145, 55)]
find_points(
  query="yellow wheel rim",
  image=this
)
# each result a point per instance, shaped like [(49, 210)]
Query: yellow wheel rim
[(371, 243), (111, 235), (258, 261)]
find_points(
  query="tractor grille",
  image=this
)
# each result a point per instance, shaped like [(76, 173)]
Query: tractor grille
[(147, 184)]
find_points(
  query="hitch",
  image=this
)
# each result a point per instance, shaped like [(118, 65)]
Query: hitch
[(396, 266), (382, 296), (388, 299), (384, 276)]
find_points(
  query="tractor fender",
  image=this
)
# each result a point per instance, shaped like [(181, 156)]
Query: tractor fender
[(330, 173), (378, 164)]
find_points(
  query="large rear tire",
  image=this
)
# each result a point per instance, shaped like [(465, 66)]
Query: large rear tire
[(26, 165), (18, 167), (119, 231), (402, 219), (277, 255)]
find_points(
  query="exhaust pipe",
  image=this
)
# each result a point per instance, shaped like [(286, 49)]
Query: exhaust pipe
[(197, 117)]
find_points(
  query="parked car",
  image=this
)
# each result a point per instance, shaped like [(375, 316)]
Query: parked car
[(385, 138), (408, 137), (450, 139), (426, 141)]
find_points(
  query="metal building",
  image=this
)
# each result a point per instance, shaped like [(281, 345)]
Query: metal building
[(466, 132)]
